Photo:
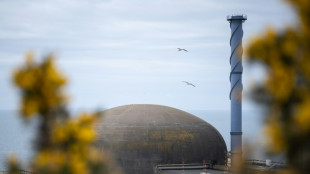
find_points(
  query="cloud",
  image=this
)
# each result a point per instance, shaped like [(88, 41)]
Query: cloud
[(118, 44)]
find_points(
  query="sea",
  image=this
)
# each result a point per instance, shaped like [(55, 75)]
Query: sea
[(17, 135)]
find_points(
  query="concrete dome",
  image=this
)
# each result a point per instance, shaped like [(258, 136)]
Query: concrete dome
[(142, 136)]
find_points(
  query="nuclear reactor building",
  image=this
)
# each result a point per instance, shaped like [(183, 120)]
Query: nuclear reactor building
[(142, 136)]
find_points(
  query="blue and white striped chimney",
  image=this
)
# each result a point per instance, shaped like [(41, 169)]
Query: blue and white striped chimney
[(236, 86)]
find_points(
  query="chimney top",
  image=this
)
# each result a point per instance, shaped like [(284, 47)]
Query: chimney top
[(237, 17)]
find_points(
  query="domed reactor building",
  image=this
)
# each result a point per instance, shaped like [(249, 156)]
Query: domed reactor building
[(141, 137)]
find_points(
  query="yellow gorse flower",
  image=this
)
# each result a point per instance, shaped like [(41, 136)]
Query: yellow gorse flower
[(302, 118), (64, 143), (41, 86), (286, 90), (78, 129)]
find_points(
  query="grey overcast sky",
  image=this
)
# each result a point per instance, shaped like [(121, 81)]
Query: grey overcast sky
[(118, 52)]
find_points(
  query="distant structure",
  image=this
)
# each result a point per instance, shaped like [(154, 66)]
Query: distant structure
[(143, 136), (189, 83), (236, 85), (182, 49)]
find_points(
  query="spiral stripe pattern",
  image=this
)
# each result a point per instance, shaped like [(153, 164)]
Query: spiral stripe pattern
[(235, 58), (236, 86)]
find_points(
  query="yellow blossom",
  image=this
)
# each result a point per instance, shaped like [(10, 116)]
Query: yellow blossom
[(275, 138), (64, 144), (303, 116)]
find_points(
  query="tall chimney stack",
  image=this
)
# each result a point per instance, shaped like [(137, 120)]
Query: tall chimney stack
[(236, 86)]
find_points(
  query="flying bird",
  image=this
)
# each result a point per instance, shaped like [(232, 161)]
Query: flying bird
[(182, 49), (189, 83)]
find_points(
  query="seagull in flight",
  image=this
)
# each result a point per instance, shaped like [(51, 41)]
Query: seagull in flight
[(189, 83), (182, 49)]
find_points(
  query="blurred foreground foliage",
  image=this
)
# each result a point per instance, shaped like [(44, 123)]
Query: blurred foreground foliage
[(286, 90), (64, 144)]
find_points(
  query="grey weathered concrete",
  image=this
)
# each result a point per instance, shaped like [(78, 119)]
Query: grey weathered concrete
[(142, 136)]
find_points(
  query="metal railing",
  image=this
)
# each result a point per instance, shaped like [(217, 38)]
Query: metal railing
[(263, 162), (161, 167)]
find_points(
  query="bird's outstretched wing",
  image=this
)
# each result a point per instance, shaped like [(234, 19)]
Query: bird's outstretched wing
[(189, 83), (182, 49)]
